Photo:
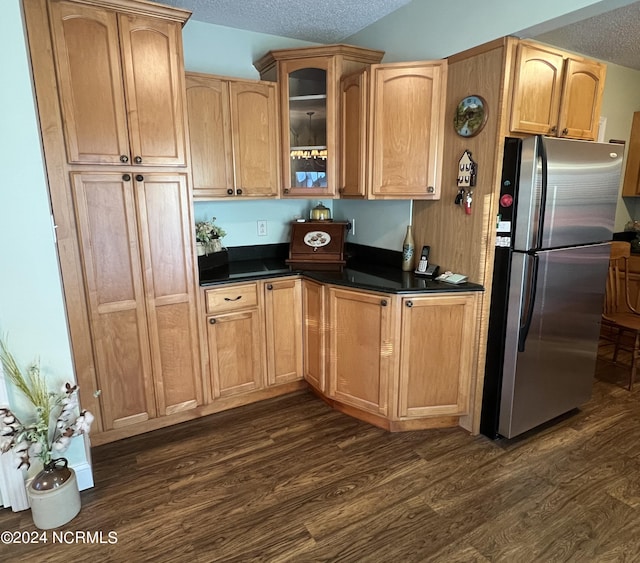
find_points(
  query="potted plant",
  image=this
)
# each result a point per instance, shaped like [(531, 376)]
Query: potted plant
[(210, 236), (55, 420)]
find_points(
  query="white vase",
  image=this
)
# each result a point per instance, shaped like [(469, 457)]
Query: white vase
[(200, 249), (216, 245)]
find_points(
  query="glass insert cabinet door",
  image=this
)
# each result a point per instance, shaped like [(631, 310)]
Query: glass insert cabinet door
[(309, 129)]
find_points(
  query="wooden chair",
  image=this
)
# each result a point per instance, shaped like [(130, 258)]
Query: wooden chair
[(620, 319)]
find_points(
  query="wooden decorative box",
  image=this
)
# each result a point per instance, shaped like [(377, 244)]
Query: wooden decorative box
[(317, 245)]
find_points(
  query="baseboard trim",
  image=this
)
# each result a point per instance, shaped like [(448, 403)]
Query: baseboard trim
[(84, 475)]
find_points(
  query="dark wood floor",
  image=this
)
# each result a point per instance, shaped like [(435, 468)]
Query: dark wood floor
[(291, 480)]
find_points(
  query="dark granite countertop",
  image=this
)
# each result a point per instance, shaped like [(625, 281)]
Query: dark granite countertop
[(372, 275)]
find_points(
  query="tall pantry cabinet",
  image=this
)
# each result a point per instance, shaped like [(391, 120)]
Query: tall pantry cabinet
[(109, 82)]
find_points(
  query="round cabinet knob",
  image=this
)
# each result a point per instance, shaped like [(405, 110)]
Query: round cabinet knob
[(286, 190), (383, 303), (139, 178), (565, 131), (239, 191), (409, 303), (126, 177), (229, 191), (269, 287), (212, 321), (124, 158), (138, 160), (431, 190), (554, 129)]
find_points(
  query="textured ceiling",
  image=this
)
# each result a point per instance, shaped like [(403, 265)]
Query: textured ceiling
[(613, 36), (328, 21)]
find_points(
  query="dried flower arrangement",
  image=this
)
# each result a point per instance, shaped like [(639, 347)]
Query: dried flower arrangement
[(56, 415), (208, 231)]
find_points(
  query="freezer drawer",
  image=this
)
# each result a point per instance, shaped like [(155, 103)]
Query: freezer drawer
[(553, 325)]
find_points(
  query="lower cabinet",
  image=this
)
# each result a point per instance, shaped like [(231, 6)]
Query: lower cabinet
[(400, 362), (235, 340), (283, 323), (234, 352), (360, 339), (254, 336), (437, 352), (314, 334)]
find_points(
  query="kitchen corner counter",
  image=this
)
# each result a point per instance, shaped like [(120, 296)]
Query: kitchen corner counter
[(356, 274), (373, 279)]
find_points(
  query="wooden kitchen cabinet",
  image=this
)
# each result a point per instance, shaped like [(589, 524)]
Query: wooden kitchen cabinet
[(233, 131), (360, 348), (235, 340), (631, 182), (309, 111), (354, 91), (121, 85), (555, 93), (139, 274), (250, 327), (283, 322), (314, 331), (437, 352), (393, 131)]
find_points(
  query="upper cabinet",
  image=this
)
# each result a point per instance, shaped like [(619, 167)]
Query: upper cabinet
[(392, 127), (121, 85), (631, 184), (309, 107), (555, 93), (233, 131)]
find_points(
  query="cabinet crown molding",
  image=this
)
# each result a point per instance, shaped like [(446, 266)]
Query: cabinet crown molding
[(141, 8), (360, 54)]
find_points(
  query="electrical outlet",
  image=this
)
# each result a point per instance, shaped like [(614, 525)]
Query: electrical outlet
[(262, 228), (352, 231)]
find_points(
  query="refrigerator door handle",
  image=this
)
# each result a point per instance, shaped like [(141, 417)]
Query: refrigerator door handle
[(528, 300), (542, 154)]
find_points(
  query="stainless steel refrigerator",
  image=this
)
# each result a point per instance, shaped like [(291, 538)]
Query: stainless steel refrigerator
[(557, 210)]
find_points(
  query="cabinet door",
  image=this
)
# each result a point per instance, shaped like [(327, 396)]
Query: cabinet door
[(536, 90), (255, 138), (170, 289), (353, 135), (108, 236), (407, 129), (308, 91), (359, 349), (209, 135), (581, 99), (631, 183), (283, 317), (87, 60), (437, 355), (314, 333), (154, 87), (235, 352)]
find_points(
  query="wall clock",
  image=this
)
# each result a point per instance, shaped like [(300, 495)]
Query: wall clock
[(470, 116)]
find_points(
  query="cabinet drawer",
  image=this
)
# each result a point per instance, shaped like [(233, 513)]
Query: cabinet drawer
[(232, 298)]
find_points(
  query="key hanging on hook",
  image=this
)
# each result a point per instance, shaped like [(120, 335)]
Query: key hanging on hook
[(467, 202)]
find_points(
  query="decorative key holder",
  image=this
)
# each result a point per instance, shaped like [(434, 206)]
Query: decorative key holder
[(467, 172)]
